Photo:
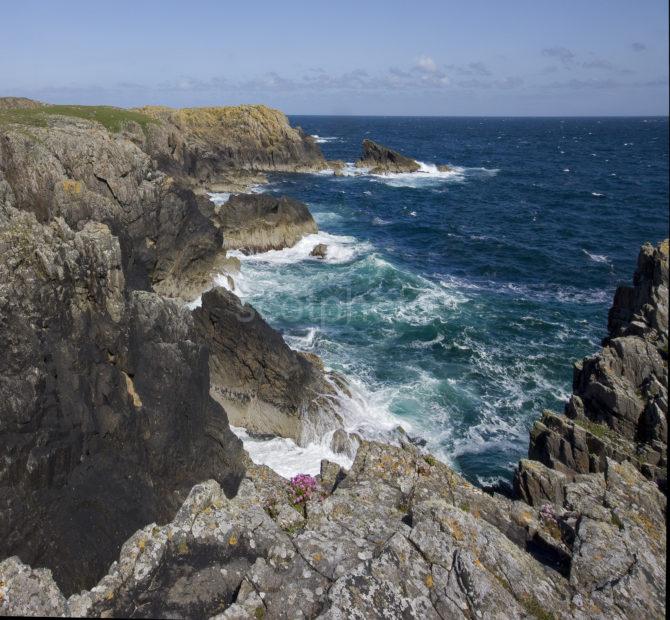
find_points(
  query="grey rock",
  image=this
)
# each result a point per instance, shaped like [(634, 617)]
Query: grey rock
[(319, 250), (383, 160)]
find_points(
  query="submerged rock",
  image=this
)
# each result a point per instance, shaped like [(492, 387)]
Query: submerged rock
[(319, 251), (383, 160), (255, 223), (263, 384)]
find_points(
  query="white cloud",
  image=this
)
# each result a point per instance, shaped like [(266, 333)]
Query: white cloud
[(427, 64)]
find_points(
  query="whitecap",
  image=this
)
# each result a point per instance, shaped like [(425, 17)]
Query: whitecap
[(596, 258), (597, 194), (341, 249), (324, 139), (219, 198)]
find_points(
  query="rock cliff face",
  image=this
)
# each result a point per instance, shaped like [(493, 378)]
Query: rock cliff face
[(263, 384), (255, 223), (215, 145), (77, 170), (105, 415), (382, 160), (619, 405), (400, 536)]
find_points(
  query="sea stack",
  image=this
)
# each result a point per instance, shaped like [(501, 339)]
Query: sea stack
[(383, 160)]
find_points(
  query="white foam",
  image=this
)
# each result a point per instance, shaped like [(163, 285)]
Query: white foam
[(596, 194), (324, 139), (219, 198), (596, 258), (288, 458), (341, 249)]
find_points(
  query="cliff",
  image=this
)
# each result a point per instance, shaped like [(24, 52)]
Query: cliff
[(105, 415), (619, 405), (217, 145), (111, 430)]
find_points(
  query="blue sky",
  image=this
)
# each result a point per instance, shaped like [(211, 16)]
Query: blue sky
[(520, 57)]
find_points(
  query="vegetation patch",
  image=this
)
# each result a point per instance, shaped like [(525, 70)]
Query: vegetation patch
[(113, 119)]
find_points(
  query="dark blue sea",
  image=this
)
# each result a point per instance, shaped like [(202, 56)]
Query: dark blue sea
[(457, 302)]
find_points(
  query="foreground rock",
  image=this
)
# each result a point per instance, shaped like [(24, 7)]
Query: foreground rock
[(263, 384), (619, 405), (105, 416), (401, 536), (255, 223), (383, 160)]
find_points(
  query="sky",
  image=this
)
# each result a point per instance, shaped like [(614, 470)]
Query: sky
[(489, 58)]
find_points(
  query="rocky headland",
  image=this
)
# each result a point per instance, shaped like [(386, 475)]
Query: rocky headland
[(123, 491)]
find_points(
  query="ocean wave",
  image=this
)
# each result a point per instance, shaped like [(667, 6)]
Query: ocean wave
[(219, 198), (596, 258), (325, 139), (341, 249), (288, 458)]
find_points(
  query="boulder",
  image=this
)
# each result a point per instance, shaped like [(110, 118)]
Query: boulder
[(253, 223), (319, 250), (383, 160), (263, 384)]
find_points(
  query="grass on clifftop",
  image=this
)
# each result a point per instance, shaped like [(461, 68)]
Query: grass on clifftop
[(113, 119)]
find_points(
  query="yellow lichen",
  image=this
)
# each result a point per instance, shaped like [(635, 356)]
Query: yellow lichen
[(182, 549), (232, 540), (70, 186), (429, 582)]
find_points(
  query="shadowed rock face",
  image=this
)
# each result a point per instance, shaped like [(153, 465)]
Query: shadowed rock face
[(383, 160), (264, 385), (256, 223), (105, 415), (619, 404)]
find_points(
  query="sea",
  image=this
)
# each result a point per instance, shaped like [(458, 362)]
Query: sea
[(456, 302)]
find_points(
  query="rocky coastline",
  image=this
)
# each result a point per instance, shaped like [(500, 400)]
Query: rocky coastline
[(123, 490)]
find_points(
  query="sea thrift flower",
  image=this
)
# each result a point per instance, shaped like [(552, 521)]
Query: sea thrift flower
[(302, 488)]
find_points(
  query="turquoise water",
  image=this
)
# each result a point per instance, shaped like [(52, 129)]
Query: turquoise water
[(457, 302)]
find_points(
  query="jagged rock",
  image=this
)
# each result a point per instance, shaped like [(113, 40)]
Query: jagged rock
[(383, 160), (536, 484), (398, 537), (263, 384), (255, 223), (330, 475), (105, 415), (344, 443), (8, 103), (319, 250), (444, 168), (619, 404), (213, 145), (76, 169)]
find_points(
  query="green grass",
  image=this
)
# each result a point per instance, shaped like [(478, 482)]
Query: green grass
[(111, 118), (599, 430)]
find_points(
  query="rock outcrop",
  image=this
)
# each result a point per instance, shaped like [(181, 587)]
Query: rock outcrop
[(217, 146), (320, 250), (619, 406), (263, 384), (383, 160), (105, 416), (255, 223), (400, 536), (78, 170)]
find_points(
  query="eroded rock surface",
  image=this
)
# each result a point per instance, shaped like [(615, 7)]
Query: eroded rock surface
[(255, 223), (263, 384), (105, 416), (401, 536), (619, 404)]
